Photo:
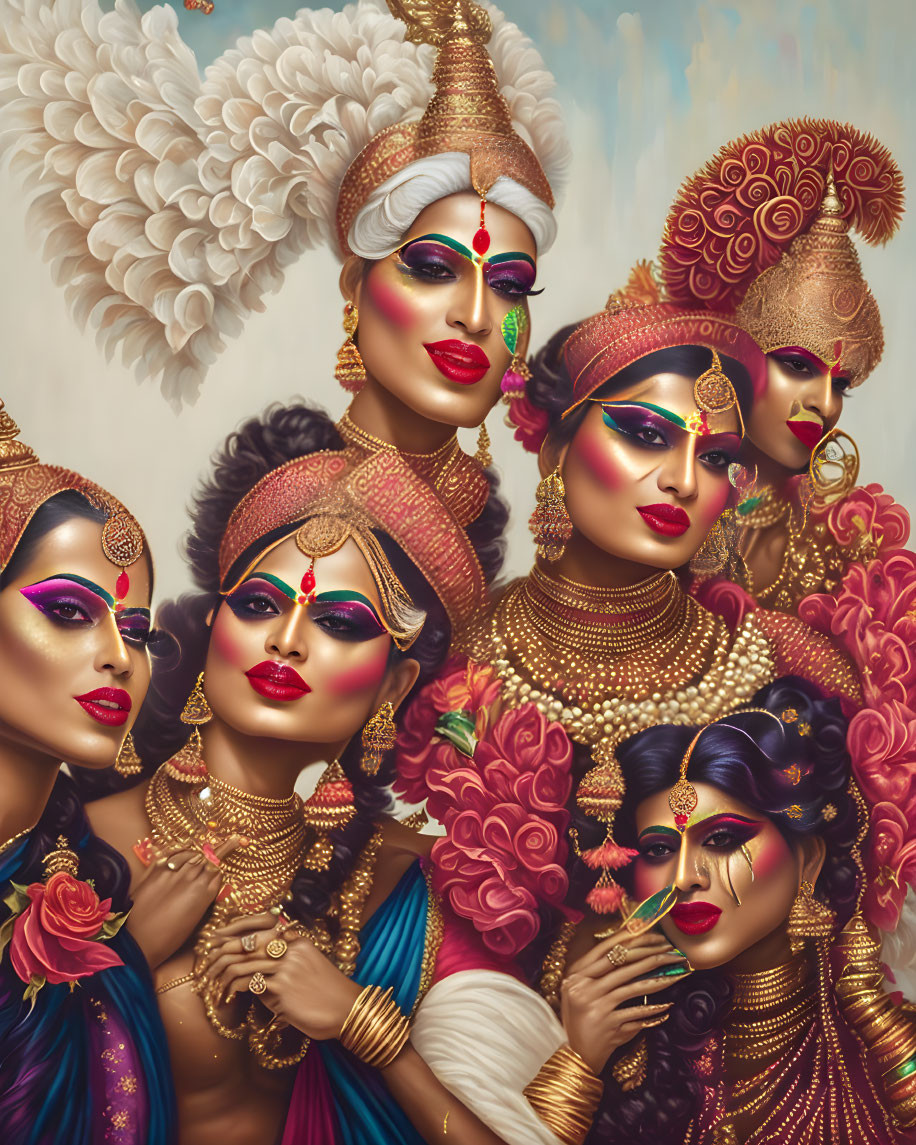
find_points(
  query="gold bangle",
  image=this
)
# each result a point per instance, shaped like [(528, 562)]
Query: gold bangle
[(565, 1095), (375, 1030)]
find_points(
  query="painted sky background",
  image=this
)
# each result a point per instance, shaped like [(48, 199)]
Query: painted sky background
[(650, 90)]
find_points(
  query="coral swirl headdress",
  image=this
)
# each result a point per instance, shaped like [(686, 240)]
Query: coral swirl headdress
[(25, 485), (325, 498), (763, 228), (636, 322)]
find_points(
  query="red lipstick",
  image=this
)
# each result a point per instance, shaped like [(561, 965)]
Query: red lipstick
[(460, 362), (110, 706), (668, 520), (277, 681), (695, 917), (809, 433)]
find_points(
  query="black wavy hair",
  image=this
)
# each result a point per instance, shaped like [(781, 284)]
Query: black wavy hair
[(550, 387), (260, 445), (746, 755)]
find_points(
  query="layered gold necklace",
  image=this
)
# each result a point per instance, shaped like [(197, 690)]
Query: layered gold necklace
[(607, 662), (257, 876)]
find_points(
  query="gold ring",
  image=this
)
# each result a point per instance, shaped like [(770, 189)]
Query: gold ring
[(249, 943), (258, 983), (617, 956), (276, 948)]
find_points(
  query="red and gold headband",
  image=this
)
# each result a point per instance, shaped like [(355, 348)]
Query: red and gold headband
[(326, 497), (625, 331), (25, 485), (762, 230), (468, 114)]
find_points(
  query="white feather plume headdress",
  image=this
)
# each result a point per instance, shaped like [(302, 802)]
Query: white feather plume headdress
[(169, 206)]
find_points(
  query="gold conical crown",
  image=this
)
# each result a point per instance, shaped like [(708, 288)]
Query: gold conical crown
[(14, 454), (467, 114)]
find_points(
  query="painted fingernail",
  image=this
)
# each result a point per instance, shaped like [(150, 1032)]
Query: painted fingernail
[(172, 866), (210, 854), (656, 1021)]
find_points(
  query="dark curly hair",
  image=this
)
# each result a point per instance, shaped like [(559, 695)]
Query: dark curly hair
[(549, 390), (259, 446), (745, 754)]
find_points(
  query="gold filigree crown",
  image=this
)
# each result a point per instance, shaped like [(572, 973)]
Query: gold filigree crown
[(467, 113)]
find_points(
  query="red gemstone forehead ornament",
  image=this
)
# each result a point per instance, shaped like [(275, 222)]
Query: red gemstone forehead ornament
[(307, 585), (481, 240)]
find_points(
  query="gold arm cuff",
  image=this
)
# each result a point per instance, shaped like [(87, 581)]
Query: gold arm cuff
[(565, 1095)]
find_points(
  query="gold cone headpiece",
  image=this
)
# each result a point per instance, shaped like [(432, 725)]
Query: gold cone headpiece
[(815, 297), (467, 114), (25, 485), (763, 230)]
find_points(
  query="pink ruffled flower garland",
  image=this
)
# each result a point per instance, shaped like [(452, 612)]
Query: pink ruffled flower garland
[(503, 856), (873, 619)]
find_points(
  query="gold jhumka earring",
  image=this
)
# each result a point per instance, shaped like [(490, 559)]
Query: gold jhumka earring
[(379, 735), (188, 764), (808, 917), (350, 371), (550, 522), (328, 808), (128, 762)]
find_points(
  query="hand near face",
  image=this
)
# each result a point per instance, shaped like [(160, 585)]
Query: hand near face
[(172, 897), (304, 988), (597, 990)]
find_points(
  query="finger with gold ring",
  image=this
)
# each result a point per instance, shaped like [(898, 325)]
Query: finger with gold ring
[(277, 947), (617, 956), (257, 983), (249, 943)]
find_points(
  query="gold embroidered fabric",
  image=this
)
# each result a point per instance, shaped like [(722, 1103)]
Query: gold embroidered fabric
[(458, 478), (362, 492)]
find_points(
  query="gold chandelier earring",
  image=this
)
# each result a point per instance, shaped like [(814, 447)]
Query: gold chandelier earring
[(350, 371), (188, 763), (718, 548), (128, 762), (809, 918), (483, 456), (550, 522), (379, 736)]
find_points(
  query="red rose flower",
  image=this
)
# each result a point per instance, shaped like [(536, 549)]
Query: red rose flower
[(890, 863), (869, 519), (882, 744), (462, 686), (54, 937), (503, 854), (531, 423)]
